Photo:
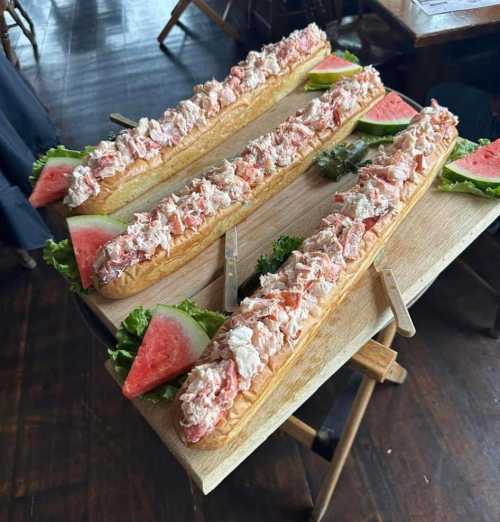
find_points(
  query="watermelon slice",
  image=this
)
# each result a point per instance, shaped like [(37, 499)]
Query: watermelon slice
[(88, 234), (50, 174), (53, 182), (391, 114), (173, 342), (332, 69), (482, 167)]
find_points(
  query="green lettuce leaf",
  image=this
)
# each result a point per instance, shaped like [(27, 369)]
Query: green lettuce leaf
[(347, 55), (129, 338), (57, 152), (60, 255), (282, 249), (469, 187), (463, 147), (209, 320)]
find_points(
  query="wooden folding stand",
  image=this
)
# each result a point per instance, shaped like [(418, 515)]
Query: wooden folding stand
[(377, 362), (220, 20)]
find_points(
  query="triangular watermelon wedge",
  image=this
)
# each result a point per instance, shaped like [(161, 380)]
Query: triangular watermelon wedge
[(88, 234), (50, 174), (390, 115), (482, 167), (173, 342), (332, 69)]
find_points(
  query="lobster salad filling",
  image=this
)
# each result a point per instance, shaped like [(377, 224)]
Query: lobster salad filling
[(152, 137), (273, 318), (233, 181)]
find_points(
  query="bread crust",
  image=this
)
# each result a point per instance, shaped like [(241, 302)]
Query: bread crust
[(144, 274), (248, 402), (122, 188)]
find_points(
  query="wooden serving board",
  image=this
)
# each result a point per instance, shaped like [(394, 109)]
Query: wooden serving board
[(437, 230)]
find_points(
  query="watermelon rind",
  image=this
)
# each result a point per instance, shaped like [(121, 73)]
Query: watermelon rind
[(397, 116), (379, 128), (106, 223), (323, 78), (455, 172), (195, 332)]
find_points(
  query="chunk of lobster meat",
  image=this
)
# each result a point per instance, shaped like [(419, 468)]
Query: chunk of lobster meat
[(175, 223), (351, 239)]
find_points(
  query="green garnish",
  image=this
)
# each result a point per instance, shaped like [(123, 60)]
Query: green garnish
[(348, 157), (463, 147), (282, 249), (347, 55), (129, 338), (60, 255)]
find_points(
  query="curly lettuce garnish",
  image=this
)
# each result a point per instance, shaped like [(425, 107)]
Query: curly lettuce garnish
[(60, 255), (282, 249)]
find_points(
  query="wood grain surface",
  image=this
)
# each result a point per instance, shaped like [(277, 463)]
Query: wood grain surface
[(427, 30)]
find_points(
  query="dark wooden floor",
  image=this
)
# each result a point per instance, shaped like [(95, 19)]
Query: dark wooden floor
[(72, 449)]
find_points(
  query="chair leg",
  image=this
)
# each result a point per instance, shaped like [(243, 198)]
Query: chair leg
[(29, 33), (177, 11), (343, 448), (26, 16), (220, 21), (6, 44)]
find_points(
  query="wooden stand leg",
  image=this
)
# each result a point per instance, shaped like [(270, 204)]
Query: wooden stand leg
[(342, 451), (396, 374), (180, 7), (386, 336)]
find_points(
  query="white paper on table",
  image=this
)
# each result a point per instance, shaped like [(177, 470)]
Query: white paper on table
[(431, 7)]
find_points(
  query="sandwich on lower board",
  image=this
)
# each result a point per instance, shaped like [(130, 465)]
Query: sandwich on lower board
[(254, 348), (182, 225)]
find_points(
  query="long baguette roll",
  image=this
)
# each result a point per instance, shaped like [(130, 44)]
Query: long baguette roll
[(247, 402), (104, 192), (135, 277)]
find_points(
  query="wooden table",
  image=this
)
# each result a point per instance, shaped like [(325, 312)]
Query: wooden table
[(428, 33), (437, 230), (425, 30)]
